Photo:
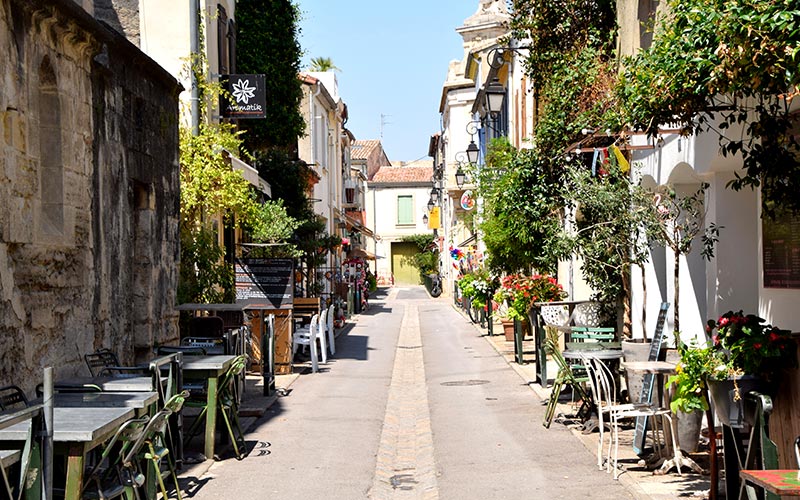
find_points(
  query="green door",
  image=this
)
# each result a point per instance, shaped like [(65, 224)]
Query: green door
[(402, 269)]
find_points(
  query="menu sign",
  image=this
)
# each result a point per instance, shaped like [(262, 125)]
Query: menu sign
[(781, 251), (265, 282)]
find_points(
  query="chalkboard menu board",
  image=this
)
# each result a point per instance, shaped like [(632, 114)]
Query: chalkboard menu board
[(781, 251), (265, 282)]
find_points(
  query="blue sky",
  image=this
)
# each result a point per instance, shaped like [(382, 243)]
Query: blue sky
[(393, 56)]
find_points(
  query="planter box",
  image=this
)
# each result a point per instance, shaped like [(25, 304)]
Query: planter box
[(727, 408)]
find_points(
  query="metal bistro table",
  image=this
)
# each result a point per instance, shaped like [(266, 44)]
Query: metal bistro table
[(141, 402), (661, 369), (112, 384), (76, 431), (210, 369)]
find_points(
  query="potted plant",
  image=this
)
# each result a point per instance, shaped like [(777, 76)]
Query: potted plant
[(744, 354), (519, 292), (688, 400), (747, 354)]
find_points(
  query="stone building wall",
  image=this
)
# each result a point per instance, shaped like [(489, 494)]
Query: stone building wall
[(89, 193)]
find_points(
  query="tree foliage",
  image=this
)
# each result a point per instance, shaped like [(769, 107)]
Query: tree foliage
[(323, 64), (521, 214), (267, 42), (730, 67), (426, 261)]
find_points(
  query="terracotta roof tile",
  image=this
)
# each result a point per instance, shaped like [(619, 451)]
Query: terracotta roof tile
[(402, 175), (361, 150)]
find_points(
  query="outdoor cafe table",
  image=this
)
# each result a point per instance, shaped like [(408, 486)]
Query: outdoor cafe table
[(76, 431), (210, 369), (141, 402), (113, 384), (661, 369)]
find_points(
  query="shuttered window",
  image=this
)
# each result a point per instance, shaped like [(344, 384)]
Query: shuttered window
[(405, 210)]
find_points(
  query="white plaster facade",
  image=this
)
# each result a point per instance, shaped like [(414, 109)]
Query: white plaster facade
[(733, 279), (385, 188)]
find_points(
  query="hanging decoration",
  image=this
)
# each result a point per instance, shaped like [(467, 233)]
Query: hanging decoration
[(467, 200)]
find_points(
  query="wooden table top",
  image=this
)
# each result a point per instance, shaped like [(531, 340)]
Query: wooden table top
[(83, 424), (784, 482), (656, 367)]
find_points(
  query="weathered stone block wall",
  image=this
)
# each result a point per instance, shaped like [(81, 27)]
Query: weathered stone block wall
[(89, 193)]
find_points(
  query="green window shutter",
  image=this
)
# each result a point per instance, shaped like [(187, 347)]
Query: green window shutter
[(405, 210)]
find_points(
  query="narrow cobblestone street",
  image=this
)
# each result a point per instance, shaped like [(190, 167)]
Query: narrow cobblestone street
[(415, 404)]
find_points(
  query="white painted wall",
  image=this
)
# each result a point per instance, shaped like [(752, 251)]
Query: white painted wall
[(382, 201)]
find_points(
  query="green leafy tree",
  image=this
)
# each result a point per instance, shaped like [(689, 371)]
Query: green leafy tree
[(521, 210), (267, 42)]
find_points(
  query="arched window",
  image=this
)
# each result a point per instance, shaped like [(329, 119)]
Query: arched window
[(51, 170)]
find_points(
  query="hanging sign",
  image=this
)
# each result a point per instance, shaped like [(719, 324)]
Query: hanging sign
[(467, 200), (246, 96), (433, 220)]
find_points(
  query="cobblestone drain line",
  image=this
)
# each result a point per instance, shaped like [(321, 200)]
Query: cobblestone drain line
[(405, 465)]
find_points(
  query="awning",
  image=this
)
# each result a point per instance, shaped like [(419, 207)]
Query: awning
[(250, 174), (360, 253), (469, 241), (352, 221)]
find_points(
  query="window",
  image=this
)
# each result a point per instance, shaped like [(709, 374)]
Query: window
[(405, 210), (51, 170), (222, 40)]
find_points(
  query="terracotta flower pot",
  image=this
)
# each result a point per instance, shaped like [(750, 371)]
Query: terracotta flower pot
[(508, 329)]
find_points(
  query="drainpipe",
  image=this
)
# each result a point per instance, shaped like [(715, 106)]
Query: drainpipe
[(194, 34), (312, 121)]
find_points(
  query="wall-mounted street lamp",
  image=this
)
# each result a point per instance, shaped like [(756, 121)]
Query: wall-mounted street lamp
[(473, 153), (430, 204), (425, 219), (461, 177), (495, 95), (435, 196)]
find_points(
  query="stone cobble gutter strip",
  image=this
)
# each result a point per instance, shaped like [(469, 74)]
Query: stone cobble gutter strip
[(405, 466)]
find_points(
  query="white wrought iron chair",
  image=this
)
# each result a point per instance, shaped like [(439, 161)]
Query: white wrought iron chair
[(307, 336), (604, 391)]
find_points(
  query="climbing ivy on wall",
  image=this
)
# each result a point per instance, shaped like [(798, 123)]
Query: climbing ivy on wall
[(267, 42)]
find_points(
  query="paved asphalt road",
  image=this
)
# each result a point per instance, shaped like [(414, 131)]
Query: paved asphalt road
[(415, 404)]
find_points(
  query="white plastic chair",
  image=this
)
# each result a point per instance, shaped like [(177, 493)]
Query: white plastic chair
[(307, 336), (330, 330), (604, 390), (322, 327)]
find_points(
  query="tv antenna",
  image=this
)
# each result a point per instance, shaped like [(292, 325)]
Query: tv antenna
[(384, 122)]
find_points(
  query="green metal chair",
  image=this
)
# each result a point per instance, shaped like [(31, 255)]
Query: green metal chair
[(567, 375), (116, 473), (228, 405), (156, 451)]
